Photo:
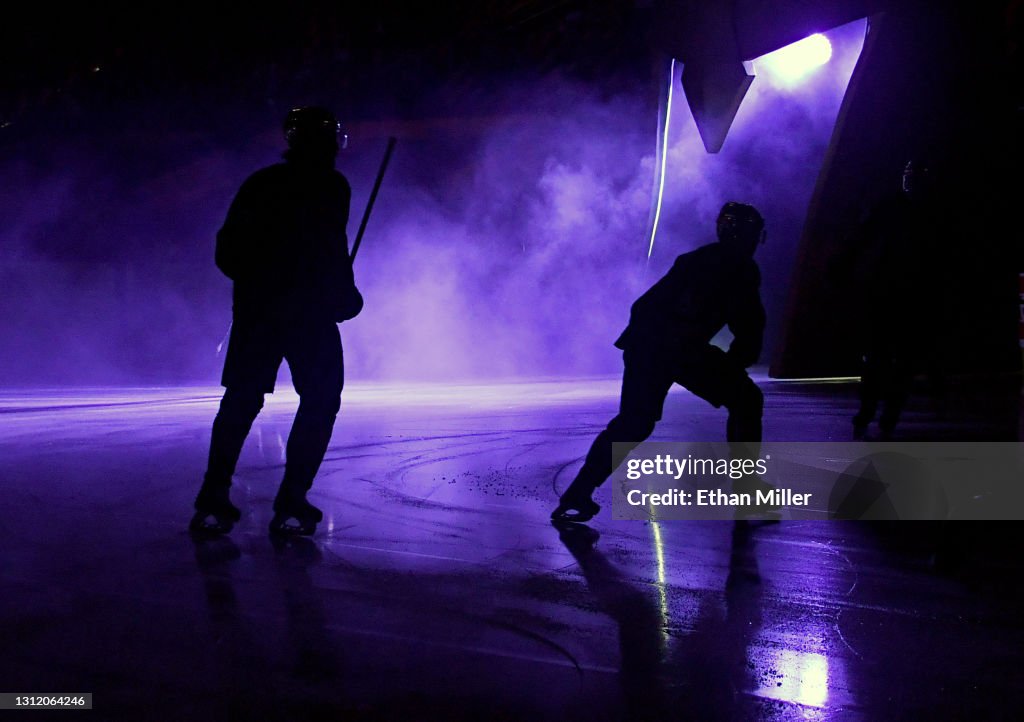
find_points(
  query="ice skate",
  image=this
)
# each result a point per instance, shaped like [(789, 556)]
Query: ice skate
[(577, 511), (295, 515), (215, 514), (575, 506)]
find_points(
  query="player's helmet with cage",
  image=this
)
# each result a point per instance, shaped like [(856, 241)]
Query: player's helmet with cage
[(918, 177), (740, 223), (313, 126)]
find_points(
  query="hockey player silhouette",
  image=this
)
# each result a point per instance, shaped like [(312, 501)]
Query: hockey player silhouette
[(284, 245), (668, 341), (896, 266)]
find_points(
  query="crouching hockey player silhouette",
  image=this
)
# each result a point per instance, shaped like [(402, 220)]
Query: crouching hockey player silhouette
[(284, 245), (668, 341)]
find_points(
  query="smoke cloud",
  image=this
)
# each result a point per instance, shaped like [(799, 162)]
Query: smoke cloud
[(512, 247)]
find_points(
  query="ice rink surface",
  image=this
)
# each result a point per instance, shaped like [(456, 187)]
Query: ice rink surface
[(436, 588)]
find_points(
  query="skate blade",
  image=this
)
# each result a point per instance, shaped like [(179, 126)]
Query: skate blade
[(566, 514), (279, 525), (201, 524)]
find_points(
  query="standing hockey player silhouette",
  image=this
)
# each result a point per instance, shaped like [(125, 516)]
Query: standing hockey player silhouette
[(284, 245), (668, 341), (898, 273)]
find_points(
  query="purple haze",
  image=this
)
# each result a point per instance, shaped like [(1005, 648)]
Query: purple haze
[(509, 246)]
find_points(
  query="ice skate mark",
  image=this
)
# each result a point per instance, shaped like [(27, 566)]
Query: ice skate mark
[(383, 592), (839, 633), (525, 449), (401, 476), (420, 461), (404, 553), (461, 435), (437, 529), (537, 637), (572, 569), (426, 459), (564, 658), (351, 457), (851, 566), (391, 441), (469, 448), (507, 433), (446, 611), (831, 550), (462, 529), (417, 501), (344, 451), (837, 549)]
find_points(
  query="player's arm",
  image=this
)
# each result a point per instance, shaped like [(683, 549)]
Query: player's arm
[(342, 251), (233, 254), (350, 301)]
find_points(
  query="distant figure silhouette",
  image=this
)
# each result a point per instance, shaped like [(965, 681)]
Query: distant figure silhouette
[(284, 245), (668, 341), (895, 263)]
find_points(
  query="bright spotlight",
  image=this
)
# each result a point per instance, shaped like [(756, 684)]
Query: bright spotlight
[(791, 63)]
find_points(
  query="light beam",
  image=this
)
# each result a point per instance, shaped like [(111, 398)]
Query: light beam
[(664, 154)]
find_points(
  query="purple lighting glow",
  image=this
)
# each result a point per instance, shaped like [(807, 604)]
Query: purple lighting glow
[(792, 63), (512, 253)]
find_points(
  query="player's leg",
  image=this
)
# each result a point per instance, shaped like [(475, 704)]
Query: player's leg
[(745, 403), (871, 384), (709, 373), (876, 374), (249, 372), (895, 395), (316, 362), (645, 384)]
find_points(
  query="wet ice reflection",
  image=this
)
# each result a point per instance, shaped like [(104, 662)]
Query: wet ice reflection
[(659, 554), (799, 677), (437, 553)]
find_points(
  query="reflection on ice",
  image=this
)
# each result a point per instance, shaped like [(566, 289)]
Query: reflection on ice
[(799, 677)]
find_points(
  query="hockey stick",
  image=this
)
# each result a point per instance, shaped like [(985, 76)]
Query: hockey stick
[(373, 195)]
